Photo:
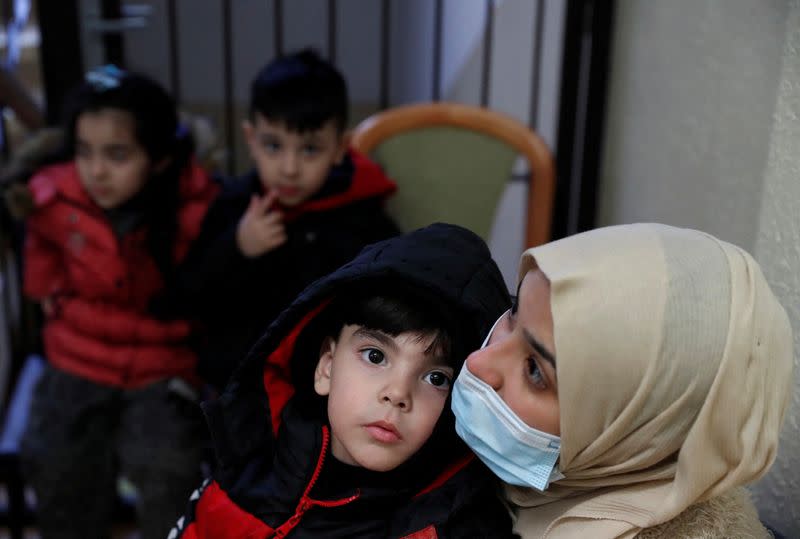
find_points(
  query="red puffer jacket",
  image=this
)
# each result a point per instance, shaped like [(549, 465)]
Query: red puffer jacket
[(101, 286)]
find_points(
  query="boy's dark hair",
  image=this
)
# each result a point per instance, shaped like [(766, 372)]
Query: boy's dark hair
[(394, 313), (156, 129), (302, 91)]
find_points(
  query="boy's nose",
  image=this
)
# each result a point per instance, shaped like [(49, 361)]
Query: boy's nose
[(289, 164), (397, 395)]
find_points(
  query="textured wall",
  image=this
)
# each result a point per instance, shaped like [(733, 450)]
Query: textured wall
[(692, 91), (778, 250)]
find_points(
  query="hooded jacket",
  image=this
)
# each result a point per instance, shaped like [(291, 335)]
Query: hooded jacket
[(102, 285), (238, 297), (290, 485)]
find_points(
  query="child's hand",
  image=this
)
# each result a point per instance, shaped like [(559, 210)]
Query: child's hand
[(260, 229), (48, 307)]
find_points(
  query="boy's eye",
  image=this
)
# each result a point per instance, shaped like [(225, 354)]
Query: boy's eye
[(438, 379), (310, 149), (271, 145), (82, 151), (373, 355), (514, 304), (535, 374)]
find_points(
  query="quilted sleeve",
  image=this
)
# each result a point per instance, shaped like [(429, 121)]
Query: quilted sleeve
[(44, 273)]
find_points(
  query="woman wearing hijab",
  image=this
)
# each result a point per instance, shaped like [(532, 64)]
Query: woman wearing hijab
[(639, 381)]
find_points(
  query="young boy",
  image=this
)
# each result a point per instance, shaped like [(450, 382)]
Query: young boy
[(309, 206), (355, 378)]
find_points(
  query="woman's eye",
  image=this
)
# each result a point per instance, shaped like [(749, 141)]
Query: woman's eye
[(514, 305), (535, 374), (438, 379), (373, 355)]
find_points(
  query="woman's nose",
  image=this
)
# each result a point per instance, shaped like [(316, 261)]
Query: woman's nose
[(486, 365)]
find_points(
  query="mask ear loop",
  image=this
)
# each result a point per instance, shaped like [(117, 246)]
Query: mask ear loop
[(489, 335)]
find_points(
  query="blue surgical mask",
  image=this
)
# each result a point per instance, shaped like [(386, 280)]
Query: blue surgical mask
[(516, 453)]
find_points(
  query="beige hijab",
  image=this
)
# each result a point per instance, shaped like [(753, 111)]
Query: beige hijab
[(674, 365)]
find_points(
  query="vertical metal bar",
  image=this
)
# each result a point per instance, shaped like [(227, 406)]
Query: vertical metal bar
[(567, 115), (437, 50), (332, 31), (584, 71), (385, 43), (575, 177), (488, 34), (277, 26), (174, 58), (227, 60), (536, 69), (60, 53), (602, 17), (5, 151), (113, 47)]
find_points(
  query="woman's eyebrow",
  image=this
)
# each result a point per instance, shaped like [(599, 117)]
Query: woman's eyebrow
[(539, 347)]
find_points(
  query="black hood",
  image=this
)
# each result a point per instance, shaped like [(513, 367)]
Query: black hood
[(448, 262)]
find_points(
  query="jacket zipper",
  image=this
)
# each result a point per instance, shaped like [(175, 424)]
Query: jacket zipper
[(307, 502)]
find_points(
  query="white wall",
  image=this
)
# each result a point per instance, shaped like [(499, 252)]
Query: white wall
[(692, 90), (702, 131), (778, 250)]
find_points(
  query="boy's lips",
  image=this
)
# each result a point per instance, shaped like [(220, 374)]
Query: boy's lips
[(287, 191), (383, 431)]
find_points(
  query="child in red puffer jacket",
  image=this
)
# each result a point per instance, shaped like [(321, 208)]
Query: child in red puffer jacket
[(107, 229)]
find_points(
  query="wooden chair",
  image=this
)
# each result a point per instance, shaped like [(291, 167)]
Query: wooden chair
[(452, 163)]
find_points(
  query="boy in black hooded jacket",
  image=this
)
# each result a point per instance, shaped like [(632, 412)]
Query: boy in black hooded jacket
[(354, 377)]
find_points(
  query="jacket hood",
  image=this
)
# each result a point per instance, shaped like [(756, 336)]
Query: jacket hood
[(448, 262)]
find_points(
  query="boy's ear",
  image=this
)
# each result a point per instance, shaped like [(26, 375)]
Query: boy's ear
[(322, 374), (247, 130), (344, 144)]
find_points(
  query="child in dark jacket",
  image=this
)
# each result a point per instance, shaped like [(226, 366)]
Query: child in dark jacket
[(309, 206), (107, 228), (355, 379)]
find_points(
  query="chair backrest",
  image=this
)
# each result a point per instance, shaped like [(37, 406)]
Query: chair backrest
[(452, 163)]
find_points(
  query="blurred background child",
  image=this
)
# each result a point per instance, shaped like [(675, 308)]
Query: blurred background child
[(309, 205), (107, 228)]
